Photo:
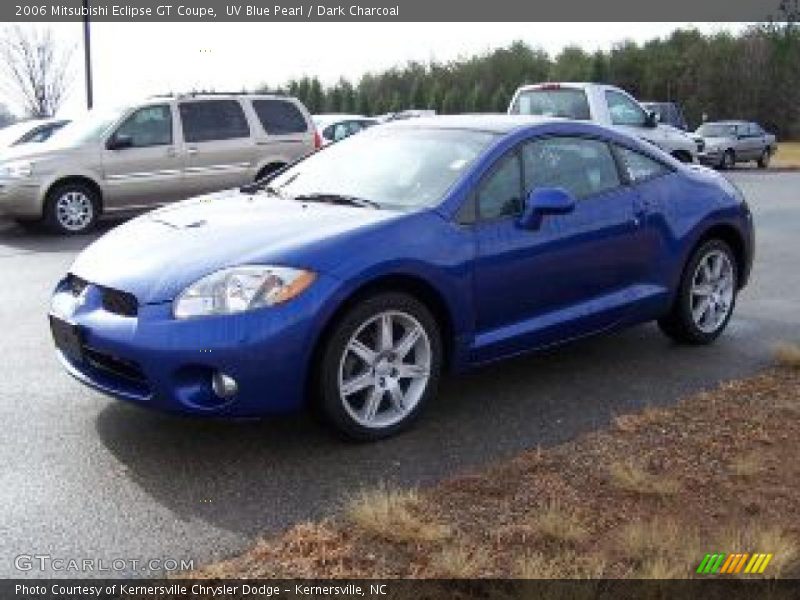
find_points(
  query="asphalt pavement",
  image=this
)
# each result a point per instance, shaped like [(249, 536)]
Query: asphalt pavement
[(86, 477)]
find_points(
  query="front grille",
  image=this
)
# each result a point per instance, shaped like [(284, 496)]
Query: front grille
[(126, 369), (120, 303)]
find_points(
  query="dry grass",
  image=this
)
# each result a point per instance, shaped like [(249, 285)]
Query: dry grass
[(647, 498), (460, 561), (629, 477), (747, 465), (557, 523), (788, 155), (393, 514), (788, 355)]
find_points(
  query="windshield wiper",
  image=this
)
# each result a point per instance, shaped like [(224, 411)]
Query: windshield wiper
[(338, 199), (261, 186)]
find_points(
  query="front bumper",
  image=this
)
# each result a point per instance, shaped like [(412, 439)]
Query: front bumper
[(160, 362), (710, 156), (20, 198)]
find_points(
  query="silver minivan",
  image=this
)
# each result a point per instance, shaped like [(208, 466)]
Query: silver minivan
[(161, 150)]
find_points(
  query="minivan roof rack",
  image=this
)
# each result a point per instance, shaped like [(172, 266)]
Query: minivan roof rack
[(196, 94)]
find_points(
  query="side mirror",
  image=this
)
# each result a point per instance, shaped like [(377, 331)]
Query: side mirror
[(652, 119), (545, 201), (119, 142)]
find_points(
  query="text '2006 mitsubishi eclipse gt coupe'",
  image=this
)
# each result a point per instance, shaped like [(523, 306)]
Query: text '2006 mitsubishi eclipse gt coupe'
[(354, 278)]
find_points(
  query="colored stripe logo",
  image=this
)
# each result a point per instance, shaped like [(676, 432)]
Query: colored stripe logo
[(732, 564)]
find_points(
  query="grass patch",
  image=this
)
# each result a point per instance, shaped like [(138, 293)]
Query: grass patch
[(584, 508), (629, 477), (788, 154), (393, 514)]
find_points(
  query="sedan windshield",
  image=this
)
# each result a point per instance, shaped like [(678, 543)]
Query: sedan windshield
[(716, 130), (392, 168), (89, 128)]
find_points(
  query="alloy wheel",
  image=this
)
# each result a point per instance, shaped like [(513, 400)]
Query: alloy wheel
[(384, 369), (74, 210), (712, 291)]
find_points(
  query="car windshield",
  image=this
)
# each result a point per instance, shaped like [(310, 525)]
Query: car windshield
[(89, 128), (716, 130), (569, 103), (10, 134), (393, 168)]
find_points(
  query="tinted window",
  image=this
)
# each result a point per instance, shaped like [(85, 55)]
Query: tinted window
[(557, 102), (209, 120), (623, 110), (584, 167), (639, 167), (148, 126), (280, 117), (755, 129), (500, 194)]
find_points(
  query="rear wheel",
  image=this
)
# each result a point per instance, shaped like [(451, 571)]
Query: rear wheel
[(763, 160), (728, 160), (706, 297), (379, 367), (71, 208)]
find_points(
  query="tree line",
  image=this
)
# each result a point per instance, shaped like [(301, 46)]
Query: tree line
[(754, 74)]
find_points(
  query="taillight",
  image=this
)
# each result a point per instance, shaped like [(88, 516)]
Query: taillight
[(317, 140)]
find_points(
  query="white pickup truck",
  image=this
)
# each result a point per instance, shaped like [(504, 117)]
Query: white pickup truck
[(605, 105)]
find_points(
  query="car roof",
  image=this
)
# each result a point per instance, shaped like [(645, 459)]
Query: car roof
[(493, 123), (727, 122)]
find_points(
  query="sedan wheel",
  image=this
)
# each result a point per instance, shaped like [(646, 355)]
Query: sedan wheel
[(763, 161), (382, 363)]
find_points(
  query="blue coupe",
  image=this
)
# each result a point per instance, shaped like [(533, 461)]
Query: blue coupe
[(351, 280)]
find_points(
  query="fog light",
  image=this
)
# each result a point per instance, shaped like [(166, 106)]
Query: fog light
[(223, 385)]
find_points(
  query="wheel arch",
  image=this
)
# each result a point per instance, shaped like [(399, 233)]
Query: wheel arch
[(269, 167), (82, 179), (734, 239), (414, 285)]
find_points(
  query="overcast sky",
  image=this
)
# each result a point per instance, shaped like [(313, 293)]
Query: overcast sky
[(133, 60)]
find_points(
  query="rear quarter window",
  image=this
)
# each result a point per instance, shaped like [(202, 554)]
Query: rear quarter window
[(279, 117)]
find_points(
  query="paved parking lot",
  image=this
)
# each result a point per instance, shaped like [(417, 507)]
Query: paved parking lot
[(82, 476)]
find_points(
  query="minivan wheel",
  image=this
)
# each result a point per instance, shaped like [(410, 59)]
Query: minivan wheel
[(763, 160), (380, 366), (71, 208), (706, 297)]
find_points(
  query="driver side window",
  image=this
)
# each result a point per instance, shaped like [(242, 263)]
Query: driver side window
[(148, 126), (624, 111), (500, 194)]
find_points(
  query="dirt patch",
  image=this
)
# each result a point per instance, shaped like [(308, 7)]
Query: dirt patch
[(649, 497)]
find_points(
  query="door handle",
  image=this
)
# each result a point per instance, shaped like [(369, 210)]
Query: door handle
[(191, 151)]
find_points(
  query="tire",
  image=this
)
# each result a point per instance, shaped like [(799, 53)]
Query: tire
[(728, 160), (687, 323), (381, 402), (763, 160), (71, 208)]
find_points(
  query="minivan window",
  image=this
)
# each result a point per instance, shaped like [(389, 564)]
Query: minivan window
[(582, 166), (212, 120), (624, 111), (148, 126), (569, 103), (279, 117)]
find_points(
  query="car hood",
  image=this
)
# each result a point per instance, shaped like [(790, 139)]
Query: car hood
[(157, 255), (34, 151)]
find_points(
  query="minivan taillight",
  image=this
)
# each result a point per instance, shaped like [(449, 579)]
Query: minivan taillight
[(317, 140)]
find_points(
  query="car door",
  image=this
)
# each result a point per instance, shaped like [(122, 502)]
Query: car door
[(142, 164), (220, 151), (571, 276)]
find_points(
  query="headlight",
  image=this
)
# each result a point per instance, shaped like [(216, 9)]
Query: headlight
[(239, 289), (16, 170)]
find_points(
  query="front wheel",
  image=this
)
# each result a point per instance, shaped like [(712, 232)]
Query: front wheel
[(728, 160), (763, 160), (379, 367), (71, 208), (706, 296)]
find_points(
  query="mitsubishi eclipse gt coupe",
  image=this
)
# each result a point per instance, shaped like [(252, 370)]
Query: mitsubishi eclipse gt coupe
[(351, 280)]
